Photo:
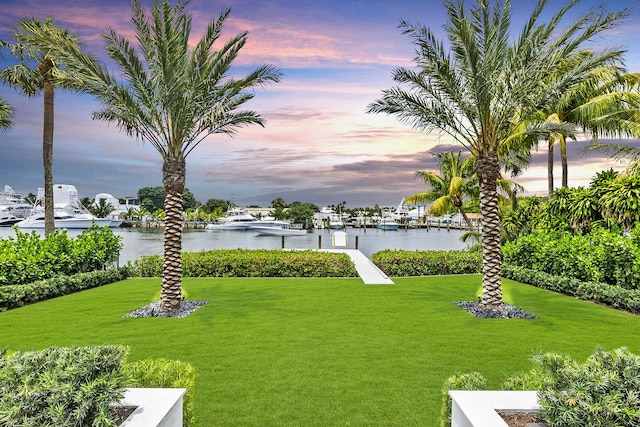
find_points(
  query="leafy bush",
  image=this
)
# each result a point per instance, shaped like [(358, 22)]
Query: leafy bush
[(600, 256), (14, 296), (466, 381), (425, 263), (603, 391), (61, 386), (614, 296), (29, 257), (163, 373), (252, 263)]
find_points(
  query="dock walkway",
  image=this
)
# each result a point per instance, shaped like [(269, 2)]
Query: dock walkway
[(367, 270)]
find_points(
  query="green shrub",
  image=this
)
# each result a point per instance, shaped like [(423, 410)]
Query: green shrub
[(398, 263), (614, 296), (466, 381), (61, 386), (18, 295), (252, 263), (600, 256), (28, 257), (603, 391), (163, 373)]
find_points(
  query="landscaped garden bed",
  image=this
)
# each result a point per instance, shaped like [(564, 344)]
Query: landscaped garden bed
[(324, 351)]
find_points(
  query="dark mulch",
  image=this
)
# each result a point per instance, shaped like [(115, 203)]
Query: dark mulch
[(507, 312), (123, 412)]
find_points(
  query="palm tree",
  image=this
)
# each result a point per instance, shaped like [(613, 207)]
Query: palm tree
[(480, 88), (603, 88), (6, 114), (457, 181), (172, 97), (35, 74)]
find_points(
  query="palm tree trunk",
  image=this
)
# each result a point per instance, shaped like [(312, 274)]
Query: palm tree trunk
[(550, 164), (466, 218), (174, 173), (44, 68), (488, 170), (563, 158)]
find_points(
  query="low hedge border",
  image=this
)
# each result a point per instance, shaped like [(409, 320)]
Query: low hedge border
[(251, 263), (398, 263), (13, 296), (614, 296)]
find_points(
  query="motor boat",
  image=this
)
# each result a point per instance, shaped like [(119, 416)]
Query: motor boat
[(277, 228), (236, 219), (61, 219), (401, 214), (68, 211), (8, 220), (12, 204), (388, 224)]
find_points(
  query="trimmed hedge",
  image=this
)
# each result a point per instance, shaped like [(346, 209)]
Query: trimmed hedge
[(614, 296), (398, 263), (251, 263), (28, 257), (18, 295), (164, 373), (600, 256), (61, 386)]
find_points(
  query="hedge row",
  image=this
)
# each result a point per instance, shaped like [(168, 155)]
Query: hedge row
[(14, 296), (600, 256), (29, 257), (397, 263), (614, 296), (252, 263)]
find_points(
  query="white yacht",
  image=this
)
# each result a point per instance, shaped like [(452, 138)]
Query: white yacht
[(68, 211), (278, 228), (236, 219), (388, 223), (12, 207), (401, 214)]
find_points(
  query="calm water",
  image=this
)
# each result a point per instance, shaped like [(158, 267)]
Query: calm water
[(140, 242)]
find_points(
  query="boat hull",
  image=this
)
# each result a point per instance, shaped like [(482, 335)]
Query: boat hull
[(69, 224), (276, 231)]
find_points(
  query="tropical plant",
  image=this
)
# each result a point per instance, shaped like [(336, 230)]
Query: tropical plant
[(172, 97), (483, 87), (102, 209), (447, 191), (6, 114), (36, 73), (602, 88), (621, 201)]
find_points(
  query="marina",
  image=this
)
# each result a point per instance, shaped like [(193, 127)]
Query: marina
[(140, 242)]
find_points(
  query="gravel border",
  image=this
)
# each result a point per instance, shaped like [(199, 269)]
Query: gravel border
[(508, 311), (153, 310)]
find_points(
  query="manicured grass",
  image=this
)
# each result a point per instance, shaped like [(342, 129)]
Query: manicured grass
[(319, 352)]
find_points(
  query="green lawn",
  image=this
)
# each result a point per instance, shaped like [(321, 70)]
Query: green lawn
[(324, 352)]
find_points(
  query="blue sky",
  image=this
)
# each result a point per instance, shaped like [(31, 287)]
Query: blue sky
[(318, 145)]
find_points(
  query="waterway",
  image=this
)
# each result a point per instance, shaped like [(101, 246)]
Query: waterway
[(139, 242)]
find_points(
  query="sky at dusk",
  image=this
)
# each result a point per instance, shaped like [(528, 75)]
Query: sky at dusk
[(318, 146)]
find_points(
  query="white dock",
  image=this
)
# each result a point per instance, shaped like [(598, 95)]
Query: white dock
[(367, 270)]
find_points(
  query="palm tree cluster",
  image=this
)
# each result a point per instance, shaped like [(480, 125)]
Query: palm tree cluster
[(494, 93)]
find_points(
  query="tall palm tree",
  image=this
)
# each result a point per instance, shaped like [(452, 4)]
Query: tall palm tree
[(34, 74), (172, 97), (482, 85), (603, 88), (457, 181)]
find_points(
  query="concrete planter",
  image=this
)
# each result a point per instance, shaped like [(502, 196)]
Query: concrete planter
[(157, 407), (478, 408)]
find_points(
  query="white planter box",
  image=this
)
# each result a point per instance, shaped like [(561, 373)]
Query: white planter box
[(157, 407), (478, 408)]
